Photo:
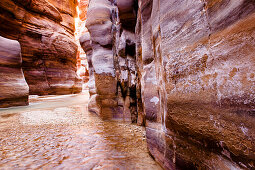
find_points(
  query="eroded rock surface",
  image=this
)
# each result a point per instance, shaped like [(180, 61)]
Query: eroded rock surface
[(86, 45), (200, 60), (13, 87), (192, 71), (45, 30), (112, 67)]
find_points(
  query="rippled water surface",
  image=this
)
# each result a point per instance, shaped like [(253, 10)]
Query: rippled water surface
[(57, 132)]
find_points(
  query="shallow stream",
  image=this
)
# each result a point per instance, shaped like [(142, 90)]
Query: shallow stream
[(57, 132)]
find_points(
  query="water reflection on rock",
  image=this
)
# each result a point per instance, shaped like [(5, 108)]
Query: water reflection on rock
[(58, 133)]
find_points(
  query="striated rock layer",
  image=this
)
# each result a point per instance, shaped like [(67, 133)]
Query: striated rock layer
[(112, 68), (13, 87), (199, 57), (186, 68), (45, 30)]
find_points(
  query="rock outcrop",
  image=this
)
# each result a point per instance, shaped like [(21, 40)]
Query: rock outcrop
[(45, 30), (187, 67), (13, 87), (86, 45), (112, 68)]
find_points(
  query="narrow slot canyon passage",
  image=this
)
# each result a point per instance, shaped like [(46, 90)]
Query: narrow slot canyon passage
[(127, 84)]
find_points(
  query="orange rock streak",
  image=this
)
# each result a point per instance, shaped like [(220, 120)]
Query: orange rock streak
[(80, 29)]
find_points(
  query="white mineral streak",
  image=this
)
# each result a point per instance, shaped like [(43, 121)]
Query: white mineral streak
[(154, 100)]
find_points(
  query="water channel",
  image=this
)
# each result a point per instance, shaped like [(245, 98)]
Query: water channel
[(57, 132)]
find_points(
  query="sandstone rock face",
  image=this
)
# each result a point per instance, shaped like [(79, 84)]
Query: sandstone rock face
[(80, 29), (111, 66), (99, 25), (45, 30), (200, 61), (193, 73), (13, 87), (86, 45), (83, 7)]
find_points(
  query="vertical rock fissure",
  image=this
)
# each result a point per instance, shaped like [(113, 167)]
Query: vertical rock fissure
[(140, 101)]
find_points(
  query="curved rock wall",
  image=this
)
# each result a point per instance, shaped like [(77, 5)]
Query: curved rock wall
[(13, 87), (87, 46), (192, 71), (45, 30), (199, 57), (99, 24), (112, 67)]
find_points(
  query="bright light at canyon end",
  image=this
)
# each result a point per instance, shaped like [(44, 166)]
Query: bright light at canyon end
[(80, 29)]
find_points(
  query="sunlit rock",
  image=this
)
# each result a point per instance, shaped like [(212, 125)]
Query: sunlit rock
[(45, 30)]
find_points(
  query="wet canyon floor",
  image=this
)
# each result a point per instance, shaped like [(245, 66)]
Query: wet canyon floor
[(57, 132)]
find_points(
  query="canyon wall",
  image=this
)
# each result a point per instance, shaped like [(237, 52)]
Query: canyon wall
[(112, 67), (185, 69), (13, 86), (198, 56), (45, 31)]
